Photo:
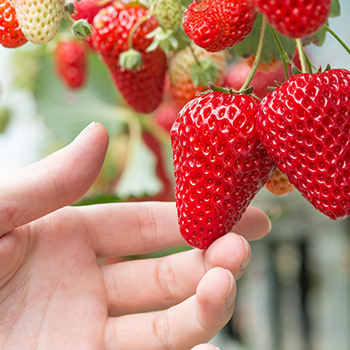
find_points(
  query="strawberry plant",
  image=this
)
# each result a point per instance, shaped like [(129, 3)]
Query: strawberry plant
[(207, 102)]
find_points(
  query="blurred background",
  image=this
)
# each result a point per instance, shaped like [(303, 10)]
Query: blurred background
[(295, 293)]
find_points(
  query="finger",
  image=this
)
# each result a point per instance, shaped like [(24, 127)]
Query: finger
[(157, 284), (181, 327), (139, 228), (54, 182), (205, 347), (253, 225)]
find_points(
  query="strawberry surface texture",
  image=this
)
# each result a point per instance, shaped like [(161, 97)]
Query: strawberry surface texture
[(304, 126), (11, 35), (216, 25), (143, 88), (295, 18), (219, 164)]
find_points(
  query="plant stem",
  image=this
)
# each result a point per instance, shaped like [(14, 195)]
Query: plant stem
[(281, 50), (257, 56), (194, 55), (153, 128), (340, 41), (133, 30), (301, 56)]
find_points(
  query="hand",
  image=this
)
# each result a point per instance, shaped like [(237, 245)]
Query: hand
[(53, 293)]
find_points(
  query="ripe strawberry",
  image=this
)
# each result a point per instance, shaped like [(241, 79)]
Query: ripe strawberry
[(182, 89), (279, 184), (70, 63), (39, 20), (88, 9), (219, 164), (166, 114), (216, 25), (304, 126), (11, 35), (295, 19), (143, 88)]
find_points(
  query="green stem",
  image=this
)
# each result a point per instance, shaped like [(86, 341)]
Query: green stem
[(194, 55), (133, 30), (257, 56), (301, 56), (281, 50), (341, 42)]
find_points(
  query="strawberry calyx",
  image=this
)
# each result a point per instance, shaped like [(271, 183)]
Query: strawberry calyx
[(81, 29), (204, 72), (231, 91), (130, 60)]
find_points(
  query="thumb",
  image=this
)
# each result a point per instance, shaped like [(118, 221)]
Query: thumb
[(56, 181)]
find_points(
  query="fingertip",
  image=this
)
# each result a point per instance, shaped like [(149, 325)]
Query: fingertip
[(254, 224), (205, 347), (215, 298)]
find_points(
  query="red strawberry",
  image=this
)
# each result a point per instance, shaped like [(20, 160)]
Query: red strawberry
[(11, 35), (70, 63), (219, 164), (166, 114), (216, 25), (295, 19), (304, 126), (279, 184), (238, 72), (87, 9), (142, 88)]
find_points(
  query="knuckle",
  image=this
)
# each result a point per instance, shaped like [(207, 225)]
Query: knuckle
[(161, 330), (166, 280)]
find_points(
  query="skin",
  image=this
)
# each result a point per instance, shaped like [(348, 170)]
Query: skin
[(54, 294)]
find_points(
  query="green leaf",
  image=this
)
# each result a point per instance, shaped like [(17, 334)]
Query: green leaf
[(67, 112), (270, 51), (205, 72), (335, 9), (186, 3), (139, 177)]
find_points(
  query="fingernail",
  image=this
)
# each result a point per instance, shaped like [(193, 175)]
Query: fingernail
[(87, 129), (231, 294)]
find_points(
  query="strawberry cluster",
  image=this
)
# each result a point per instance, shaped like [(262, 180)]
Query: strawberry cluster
[(238, 136)]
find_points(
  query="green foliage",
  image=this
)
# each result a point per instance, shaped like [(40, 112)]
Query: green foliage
[(335, 9), (270, 51)]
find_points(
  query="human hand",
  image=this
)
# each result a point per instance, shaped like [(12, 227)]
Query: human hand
[(53, 293)]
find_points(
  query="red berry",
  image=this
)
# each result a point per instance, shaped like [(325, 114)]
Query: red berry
[(87, 9), (219, 164), (11, 35), (238, 72), (279, 184), (295, 19), (304, 126), (70, 63), (143, 88), (216, 25)]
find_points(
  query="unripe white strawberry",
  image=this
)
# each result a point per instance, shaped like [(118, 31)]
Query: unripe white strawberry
[(39, 19)]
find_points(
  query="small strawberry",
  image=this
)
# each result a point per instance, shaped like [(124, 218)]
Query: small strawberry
[(166, 114), (11, 35), (88, 9), (70, 63), (216, 25), (168, 13), (142, 88), (238, 72), (219, 164), (304, 126), (182, 88), (295, 19), (279, 184), (40, 20)]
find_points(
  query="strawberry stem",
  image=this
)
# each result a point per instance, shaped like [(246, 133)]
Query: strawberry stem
[(194, 55), (340, 41), (281, 50), (133, 30), (257, 56), (148, 124), (301, 55)]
